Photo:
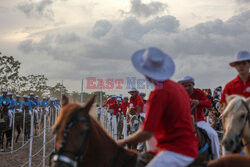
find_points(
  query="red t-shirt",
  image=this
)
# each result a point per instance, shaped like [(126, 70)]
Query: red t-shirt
[(168, 115), (124, 107), (204, 103), (117, 108), (109, 102), (137, 101), (238, 87)]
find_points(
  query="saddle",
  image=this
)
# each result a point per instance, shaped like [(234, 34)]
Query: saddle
[(144, 158)]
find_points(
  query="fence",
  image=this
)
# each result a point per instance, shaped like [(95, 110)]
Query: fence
[(109, 123), (45, 121)]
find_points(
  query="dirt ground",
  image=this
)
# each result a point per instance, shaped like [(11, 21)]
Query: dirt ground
[(19, 158)]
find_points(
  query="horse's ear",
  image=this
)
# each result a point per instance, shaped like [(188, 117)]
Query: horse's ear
[(65, 100), (89, 104)]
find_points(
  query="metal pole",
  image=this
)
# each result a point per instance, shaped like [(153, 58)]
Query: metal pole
[(23, 125), (82, 92), (31, 138), (49, 115), (125, 125), (44, 139), (101, 96), (13, 132), (115, 127)]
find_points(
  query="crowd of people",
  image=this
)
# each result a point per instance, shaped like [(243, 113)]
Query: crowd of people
[(32, 102)]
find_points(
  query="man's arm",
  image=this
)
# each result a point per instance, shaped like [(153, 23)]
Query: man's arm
[(137, 137)]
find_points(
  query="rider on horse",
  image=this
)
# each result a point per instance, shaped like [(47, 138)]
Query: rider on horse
[(110, 103), (18, 103), (12, 106), (136, 100), (34, 105), (241, 84), (200, 101), (27, 103), (168, 115), (125, 105)]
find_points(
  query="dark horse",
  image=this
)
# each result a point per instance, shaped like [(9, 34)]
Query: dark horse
[(205, 152), (81, 141), (27, 123), (4, 127)]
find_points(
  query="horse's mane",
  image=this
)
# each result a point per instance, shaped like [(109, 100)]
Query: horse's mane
[(66, 114), (234, 104)]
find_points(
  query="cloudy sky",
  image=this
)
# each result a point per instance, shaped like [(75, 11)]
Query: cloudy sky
[(73, 39)]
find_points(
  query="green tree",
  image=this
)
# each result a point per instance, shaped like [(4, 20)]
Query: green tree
[(37, 84), (55, 91), (9, 71)]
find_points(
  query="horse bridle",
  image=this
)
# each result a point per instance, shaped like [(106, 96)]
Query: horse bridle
[(244, 124), (58, 156)]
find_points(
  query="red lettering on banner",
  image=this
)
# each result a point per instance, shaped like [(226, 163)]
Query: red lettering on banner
[(90, 83), (119, 81), (110, 84)]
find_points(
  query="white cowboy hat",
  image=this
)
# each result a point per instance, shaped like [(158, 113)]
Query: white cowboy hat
[(25, 96), (31, 94), (9, 94), (241, 56), (113, 95), (186, 79), (17, 95), (119, 99), (5, 91), (133, 90), (152, 62)]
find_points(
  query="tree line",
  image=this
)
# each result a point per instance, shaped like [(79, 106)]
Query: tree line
[(14, 82)]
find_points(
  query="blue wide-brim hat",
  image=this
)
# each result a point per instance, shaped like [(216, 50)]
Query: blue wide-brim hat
[(154, 63)]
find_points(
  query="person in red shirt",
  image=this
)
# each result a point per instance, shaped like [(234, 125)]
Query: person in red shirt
[(136, 100), (117, 107), (110, 103), (200, 101), (241, 84), (168, 115), (125, 105)]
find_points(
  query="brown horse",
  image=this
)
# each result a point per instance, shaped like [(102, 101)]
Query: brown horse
[(205, 152), (81, 141), (232, 160)]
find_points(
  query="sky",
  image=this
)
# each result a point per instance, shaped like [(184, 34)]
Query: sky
[(70, 40)]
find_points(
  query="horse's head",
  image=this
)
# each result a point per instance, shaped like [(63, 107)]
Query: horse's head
[(135, 123), (72, 131), (236, 122)]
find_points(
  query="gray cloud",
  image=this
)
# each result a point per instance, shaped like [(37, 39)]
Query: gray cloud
[(37, 9), (243, 1), (106, 48), (101, 28), (145, 10)]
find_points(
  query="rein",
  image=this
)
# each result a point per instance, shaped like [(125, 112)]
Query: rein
[(244, 124), (119, 151), (57, 156)]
